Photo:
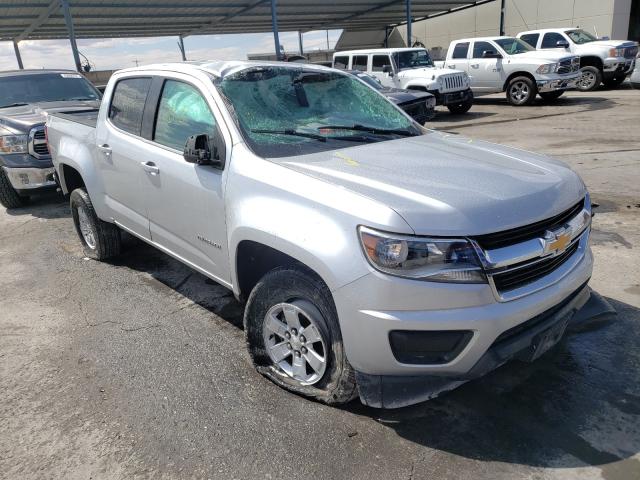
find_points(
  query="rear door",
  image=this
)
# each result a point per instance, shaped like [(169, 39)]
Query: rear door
[(484, 72), (185, 201), (119, 150)]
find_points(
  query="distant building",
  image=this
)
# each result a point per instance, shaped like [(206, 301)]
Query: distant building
[(370, 39), (312, 56)]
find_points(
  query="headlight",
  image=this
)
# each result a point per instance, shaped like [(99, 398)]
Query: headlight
[(432, 259), (431, 102), (13, 144), (548, 68), (616, 52)]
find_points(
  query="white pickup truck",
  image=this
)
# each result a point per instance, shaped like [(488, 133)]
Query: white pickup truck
[(410, 69), (376, 258), (505, 64), (608, 61)]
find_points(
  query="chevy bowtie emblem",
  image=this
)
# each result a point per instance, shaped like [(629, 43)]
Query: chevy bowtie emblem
[(556, 241)]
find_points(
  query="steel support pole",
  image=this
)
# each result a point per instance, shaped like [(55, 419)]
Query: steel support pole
[(274, 26), (300, 43), (181, 47), (18, 56), (502, 7), (408, 8), (72, 34)]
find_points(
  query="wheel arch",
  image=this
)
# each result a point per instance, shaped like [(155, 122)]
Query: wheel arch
[(591, 61), (517, 74)]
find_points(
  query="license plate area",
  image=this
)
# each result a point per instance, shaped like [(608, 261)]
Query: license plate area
[(545, 340)]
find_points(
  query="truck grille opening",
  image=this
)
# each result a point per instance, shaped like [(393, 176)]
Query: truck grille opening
[(417, 110), (521, 234), (519, 277), (630, 52), (428, 347), (569, 65), (38, 143), (452, 82)]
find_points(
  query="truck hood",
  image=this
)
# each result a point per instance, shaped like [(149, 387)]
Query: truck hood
[(548, 56), (608, 44), (444, 184), (399, 96), (23, 118), (426, 72)]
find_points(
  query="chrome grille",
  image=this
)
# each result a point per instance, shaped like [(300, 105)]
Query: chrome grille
[(630, 52), (452, 82), (38, 143), (569, 65)]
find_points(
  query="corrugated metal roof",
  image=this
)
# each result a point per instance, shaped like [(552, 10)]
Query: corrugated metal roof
[(44, 19)]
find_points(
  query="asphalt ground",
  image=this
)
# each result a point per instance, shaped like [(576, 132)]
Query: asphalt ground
[(137, 368)]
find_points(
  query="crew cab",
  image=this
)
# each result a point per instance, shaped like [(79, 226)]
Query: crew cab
[(505, 64), (376, 258), (26, 97), (608, 61), (410, 69)]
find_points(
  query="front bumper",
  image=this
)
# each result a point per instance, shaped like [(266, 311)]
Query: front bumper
[(617, 66), (31, 178), (561, 83), (452, 98)]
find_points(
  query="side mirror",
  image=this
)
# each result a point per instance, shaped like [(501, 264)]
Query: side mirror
[(562, 44), (491, 54), (204, 150), (387, 69)]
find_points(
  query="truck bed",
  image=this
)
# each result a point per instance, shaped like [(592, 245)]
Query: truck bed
[(85, 117)]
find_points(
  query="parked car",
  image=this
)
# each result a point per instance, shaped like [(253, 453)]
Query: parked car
[(635, 75), (608, 61), (411, 69), (25, 98), (421, 106), (505, 64), (376, 258)]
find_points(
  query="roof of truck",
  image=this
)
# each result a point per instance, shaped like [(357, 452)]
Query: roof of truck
[(15, 73), (545, 30), (481, 39), (221, 68), (367, 51)]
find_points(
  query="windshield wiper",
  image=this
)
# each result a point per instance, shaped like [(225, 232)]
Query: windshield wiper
[(14, 105), (374, 130), (294, 133)]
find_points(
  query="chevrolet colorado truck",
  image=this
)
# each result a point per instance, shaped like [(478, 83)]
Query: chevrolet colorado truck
[(411, 69), (505, 64), (608, 61), (376, 258), (26, 96)]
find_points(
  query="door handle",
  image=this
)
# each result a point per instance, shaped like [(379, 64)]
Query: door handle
[(105, 149), (150, 168), (475, 65)]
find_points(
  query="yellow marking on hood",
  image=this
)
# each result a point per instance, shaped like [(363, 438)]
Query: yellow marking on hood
[(350, 161)]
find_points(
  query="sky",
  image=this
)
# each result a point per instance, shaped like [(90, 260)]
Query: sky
[(112, 54)]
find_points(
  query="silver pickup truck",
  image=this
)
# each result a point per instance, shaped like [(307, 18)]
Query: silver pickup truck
[(376, 258)]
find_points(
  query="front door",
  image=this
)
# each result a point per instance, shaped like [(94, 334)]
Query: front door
[(119, 150), (485, 73), (186, 200), (382, 69)]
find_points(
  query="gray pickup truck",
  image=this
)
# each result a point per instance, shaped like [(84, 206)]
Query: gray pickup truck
[(26, 97), (376, 258)]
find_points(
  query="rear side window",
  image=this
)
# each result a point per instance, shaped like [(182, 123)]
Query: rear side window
[(127, 104), (341, 62), (360, 63), (551, 39), (182, 112), (460, 50), (480, 47), (379, 61), (531, 38)]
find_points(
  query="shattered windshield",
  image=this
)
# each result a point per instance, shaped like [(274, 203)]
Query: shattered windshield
[(285, 111), (580, 37), (412, 59)]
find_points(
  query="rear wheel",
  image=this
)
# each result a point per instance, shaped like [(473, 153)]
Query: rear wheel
[(551, 96), (590, 80), (521, 91), (101, 240), (614, 82), (294, 339), (9, 198)]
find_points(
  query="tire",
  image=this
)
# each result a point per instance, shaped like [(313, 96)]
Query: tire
[(591, 79), (521, 91), (460, 108), (614, 82), (551, 96), (100, 240), (309, 304), (9, 198)]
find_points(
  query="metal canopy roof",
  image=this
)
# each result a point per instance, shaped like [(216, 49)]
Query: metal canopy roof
[(44, 19)]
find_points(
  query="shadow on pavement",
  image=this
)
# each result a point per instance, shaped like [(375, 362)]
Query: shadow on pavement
[(577, 405), (47, 205)]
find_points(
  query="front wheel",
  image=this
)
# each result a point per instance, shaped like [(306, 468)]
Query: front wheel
[(9, 198), (101, 240), (293, 336), (590, 80), (521, 91), (551, 96)]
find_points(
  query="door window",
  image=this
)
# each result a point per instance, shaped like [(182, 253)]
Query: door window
[(551, 39), (182, 112), (341, 62), (480, 47), (379, 62), (127, 104), (460, 50), (531, 38), (360, 63)]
